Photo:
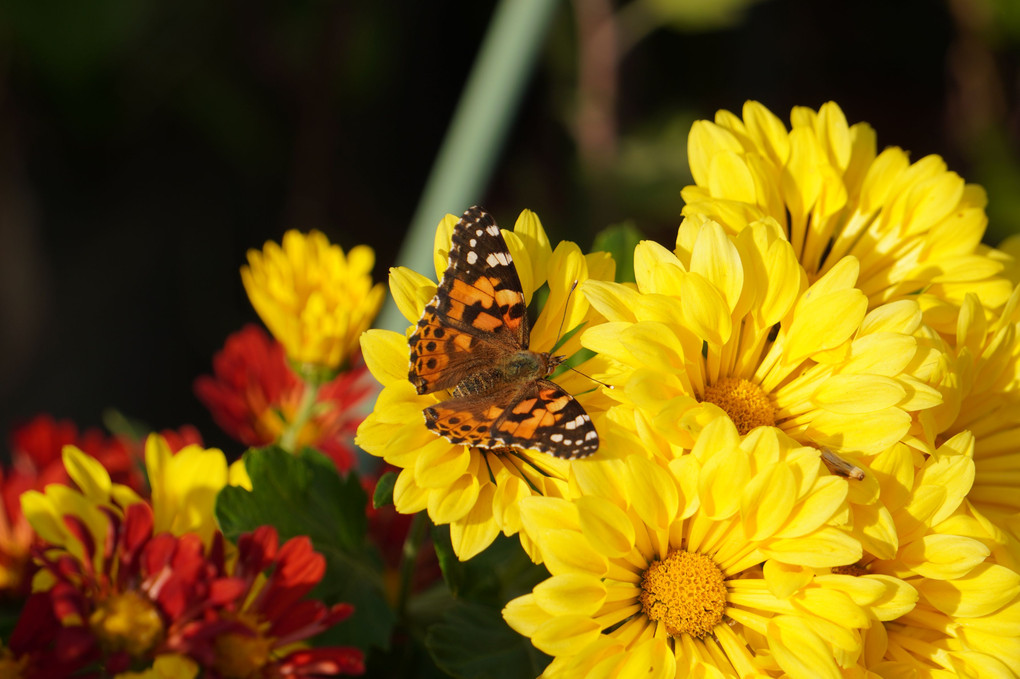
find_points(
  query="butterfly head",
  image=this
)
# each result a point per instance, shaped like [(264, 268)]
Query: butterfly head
[(527, 365)]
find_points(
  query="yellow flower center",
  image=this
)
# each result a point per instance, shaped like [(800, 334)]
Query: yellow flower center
[(686, 592), (9, 665), (745, 402), (127, 622), (241, 655)]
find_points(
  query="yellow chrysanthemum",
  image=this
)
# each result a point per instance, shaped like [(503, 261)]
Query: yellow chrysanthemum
[(967, 618), (729, 320), (915, 228), (981, 389), (315, 300), (184, 488), (1009, 253), (475, 491), (719, 565)]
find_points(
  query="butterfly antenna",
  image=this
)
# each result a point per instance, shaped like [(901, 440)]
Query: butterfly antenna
[(566, 306), (607, 386), (559, 334)]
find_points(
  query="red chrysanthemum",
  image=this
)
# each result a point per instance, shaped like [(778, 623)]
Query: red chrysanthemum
[(35, 463), (273, 614), (253, 395), (136, 596)]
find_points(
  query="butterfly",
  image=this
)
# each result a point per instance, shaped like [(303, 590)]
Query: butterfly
[(473, 340)]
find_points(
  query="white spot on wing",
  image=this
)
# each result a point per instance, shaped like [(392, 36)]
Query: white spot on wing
[(472, 257), (498, 258), (556, 437), (492, 229)]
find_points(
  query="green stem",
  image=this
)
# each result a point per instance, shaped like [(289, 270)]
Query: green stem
[(409, 559), (289, 438), (486, 109)]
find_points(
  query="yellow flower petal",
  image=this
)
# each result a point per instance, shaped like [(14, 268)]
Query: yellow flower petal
[(615, 301), (409, 498), (475, 531), (88, 473), (565, 634), (524, 615), (943, 557), (568, 551), (799, 651), (528, 228), (441, 251), (768, 131), (825, 548), (982, 591), (184, 487), (411, 292), (650, 659), (570, 593), (440, 464), (456, 500), (859, 394), (384, 351), (785, 579), (767, 501), (704, 142), (606, 526)]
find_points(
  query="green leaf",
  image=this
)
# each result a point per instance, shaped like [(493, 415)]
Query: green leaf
[(500, 573), (356, 580), (303, 494), (472, 641), (383, 495), (619, 240), (300, 494), (10, 611)]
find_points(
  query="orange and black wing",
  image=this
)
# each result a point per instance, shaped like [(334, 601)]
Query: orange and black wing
[(546, 418), (478, 313), (538, 415)]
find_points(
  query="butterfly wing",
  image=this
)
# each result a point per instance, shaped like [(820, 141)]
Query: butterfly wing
[(537, 415), (544, 417), (478, 313), (469, 420)]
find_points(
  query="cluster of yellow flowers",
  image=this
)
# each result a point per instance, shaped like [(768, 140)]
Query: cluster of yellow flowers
[(810, 429)]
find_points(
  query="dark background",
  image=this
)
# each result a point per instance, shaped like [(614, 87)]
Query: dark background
[(145, 146)]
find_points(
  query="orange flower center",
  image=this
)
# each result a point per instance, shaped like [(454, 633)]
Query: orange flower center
[(127, 622), (686, 592), (241, 655), (745, 402)]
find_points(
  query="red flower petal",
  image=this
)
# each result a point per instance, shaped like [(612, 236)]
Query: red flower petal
[(323, 662)]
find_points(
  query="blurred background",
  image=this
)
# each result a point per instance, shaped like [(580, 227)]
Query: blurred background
[(145, 146)]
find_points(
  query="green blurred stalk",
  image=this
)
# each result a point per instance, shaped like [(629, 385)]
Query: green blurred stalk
[(471, 148)]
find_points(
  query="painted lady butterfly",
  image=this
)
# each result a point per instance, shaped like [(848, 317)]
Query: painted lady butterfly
[(473, 340)]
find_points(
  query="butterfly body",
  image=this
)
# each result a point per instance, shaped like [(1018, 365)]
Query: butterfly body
[(473, 340)]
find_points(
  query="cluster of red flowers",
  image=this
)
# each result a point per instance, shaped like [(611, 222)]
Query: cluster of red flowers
[(117, 603), (35, 463), (140, 596)]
